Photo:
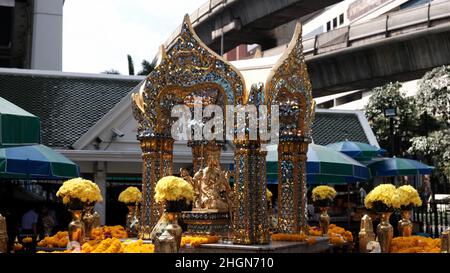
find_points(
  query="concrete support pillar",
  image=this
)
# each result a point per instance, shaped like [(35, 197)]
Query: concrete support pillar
[(100, 180), (47, 35)]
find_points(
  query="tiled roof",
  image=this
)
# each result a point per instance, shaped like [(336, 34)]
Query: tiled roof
[(334, 127), (67, 106)]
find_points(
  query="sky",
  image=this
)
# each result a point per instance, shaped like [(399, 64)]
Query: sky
[(98, 35)]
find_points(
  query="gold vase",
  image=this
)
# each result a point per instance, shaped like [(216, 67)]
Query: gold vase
[(132, 225), (385, 232), (76, 227), (159, 228), (96, 219), (165, 243), (88, 221), (324, 220), (173, 228), (405, 225)]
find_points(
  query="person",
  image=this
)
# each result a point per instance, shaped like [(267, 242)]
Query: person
[(29, 222), (48, 221), (29, 229), (362, 195)]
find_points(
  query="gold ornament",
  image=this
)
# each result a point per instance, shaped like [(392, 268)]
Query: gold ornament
[(366, 233)]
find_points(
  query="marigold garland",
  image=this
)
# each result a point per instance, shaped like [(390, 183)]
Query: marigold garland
[(300, 237), (60, 240), (130, 195), (196, 241), (415, 244), (27, 240), (105, 232), (339, 236), (112, 245)]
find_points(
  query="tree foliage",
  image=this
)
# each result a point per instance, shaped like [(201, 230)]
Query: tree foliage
[(433, 95), (436, 147), (130, 65), (147, 67), (405, 123), (111, 71), (433, 99)]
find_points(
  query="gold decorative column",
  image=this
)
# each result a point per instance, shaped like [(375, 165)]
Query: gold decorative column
[(166, 156), (250, 221), (288, 186), (262, 224), (157, 154), (150, 174), (288, 87), (303, 190)]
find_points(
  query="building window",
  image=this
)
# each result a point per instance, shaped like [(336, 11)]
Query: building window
[(341, 19), (329, 26), (335, 22)]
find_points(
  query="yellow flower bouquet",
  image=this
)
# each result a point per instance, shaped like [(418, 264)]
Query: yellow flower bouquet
[(174, 192), (130, 195), (323, 196), (408, 197), (383, 198), (78, 191)]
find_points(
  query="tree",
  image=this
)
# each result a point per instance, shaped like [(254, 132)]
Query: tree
[(405, 123), (433, 100), (147, 67), (435, 147), (130, 65), (433, 96), (111, 71)]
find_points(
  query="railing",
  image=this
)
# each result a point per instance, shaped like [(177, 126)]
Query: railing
[(410, 20), (431, 220)]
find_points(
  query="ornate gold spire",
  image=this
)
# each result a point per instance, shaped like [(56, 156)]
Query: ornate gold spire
[(290, 76)]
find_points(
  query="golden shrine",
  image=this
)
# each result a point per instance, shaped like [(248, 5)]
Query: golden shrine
[(190, 69)]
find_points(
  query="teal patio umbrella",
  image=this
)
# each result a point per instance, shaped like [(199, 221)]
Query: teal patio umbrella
[(357, 150), (35, 162), (17, 126), (323, 166), (396, 166)]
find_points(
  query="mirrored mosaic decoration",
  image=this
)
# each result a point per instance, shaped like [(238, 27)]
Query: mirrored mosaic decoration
[(189, 69), (289, 87)]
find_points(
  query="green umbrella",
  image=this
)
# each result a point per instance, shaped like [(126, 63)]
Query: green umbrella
[(396, 166), (357, 150), (323, 166), (17, 126), (35, 162)]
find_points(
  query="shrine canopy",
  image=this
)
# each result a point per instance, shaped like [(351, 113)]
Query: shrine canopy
[(17, 126), (323, 166)]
